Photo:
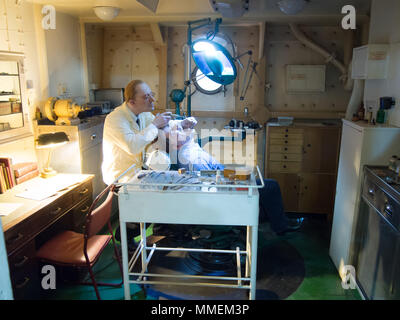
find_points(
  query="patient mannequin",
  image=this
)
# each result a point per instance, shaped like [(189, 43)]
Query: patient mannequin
[(186, 153)]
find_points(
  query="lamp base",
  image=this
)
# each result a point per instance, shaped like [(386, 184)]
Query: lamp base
[(48, 173)]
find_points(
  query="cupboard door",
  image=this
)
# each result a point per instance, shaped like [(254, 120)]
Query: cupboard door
[(320, 154), (91, 164), (317, 192), (289, 188)]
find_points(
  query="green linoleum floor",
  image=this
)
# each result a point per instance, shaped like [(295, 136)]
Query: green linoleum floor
[(321, 281)]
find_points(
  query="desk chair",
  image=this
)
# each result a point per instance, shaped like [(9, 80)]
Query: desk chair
[(69, 248)]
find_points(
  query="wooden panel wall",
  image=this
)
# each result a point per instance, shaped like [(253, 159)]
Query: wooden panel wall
[(282, 48), (127, 53), (245, 38)]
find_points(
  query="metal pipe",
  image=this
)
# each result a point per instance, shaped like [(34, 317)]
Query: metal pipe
[(328, 56)]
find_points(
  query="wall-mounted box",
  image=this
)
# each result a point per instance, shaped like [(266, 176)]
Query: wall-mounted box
[(370, 61), (305, 78)]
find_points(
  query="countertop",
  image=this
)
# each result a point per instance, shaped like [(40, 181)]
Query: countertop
[(307, 123)]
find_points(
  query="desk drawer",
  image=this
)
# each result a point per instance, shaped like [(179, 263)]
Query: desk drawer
[(286, 142), (91, 136), (30, 227), (78, 215), (85, 190), (285, 157), (284, 167), (24, 272), (285, 149)]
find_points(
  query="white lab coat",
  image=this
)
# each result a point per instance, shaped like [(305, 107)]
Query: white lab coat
[(124, 142)]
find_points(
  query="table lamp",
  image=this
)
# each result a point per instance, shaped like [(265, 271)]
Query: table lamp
[(50, 141)]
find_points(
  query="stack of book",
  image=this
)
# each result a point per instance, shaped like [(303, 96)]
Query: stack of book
[(13, 174), (24, 171)]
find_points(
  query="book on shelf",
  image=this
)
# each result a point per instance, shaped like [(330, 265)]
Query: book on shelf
[(3, 187), (8, 173)]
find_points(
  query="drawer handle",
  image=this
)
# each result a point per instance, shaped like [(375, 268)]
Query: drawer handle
[(285, 157), (85, 210), (86, 190), (57, 211), (371, 192), (286, 149), (18, 237), (286, 135), (22, 262), (23, 284), (93, 136), (286, 142), (284, 166)]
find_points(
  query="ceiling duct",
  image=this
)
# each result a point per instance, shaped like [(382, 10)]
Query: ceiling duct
[(149, 4), (230, 8)]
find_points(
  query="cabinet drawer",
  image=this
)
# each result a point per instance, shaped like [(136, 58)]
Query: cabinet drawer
[(285, 157), (91, 136), (82, 192), (287, 136), (286, 130), (286, 142), (285, 149), (284, 167)]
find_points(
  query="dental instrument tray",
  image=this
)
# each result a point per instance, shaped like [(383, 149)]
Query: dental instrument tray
[(192, 181)]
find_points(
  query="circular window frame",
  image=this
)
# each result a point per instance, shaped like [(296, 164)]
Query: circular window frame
[(201, 89)]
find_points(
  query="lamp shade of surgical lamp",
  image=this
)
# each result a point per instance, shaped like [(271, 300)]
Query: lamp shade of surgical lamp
[(106, 13), (291, 6), (214, 61)]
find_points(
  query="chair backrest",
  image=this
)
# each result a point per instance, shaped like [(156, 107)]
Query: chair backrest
[(98, 217)]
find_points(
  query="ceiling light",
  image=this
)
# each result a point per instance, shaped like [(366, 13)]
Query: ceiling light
[(106, 13), (292, 6), (230, 8)]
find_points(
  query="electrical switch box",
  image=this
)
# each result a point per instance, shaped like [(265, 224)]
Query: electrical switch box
[(305, 78)]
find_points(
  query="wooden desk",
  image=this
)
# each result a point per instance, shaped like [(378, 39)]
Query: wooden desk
[(23, 227)]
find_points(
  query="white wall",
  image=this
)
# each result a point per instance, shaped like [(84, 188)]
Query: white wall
[(385, 28), (64, 57)]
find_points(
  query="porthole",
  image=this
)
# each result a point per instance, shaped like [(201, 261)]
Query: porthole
[(204, 84)]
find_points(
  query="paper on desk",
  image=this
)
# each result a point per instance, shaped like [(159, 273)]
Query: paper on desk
[(49, 187), (6, 208)]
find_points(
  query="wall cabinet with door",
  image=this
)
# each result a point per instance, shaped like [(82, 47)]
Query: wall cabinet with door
[(303, 159)]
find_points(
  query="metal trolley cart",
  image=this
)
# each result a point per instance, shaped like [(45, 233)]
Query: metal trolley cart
[(165, 196)]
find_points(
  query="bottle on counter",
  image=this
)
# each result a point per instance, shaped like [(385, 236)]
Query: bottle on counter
[(393, 163), (380, 116), (360, 112)]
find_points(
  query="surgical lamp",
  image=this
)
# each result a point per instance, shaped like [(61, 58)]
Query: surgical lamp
[(213, 60)]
